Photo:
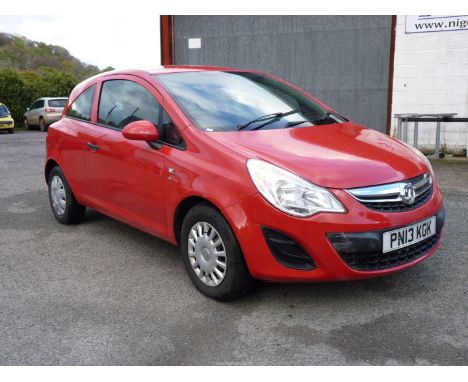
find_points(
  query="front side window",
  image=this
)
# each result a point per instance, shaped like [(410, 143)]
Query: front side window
[(228, 101), (123, 101), (82, 107)]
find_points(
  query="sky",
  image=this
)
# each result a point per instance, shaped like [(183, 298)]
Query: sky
[(122, 41)]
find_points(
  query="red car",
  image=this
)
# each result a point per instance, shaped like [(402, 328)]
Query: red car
[(252, 177)]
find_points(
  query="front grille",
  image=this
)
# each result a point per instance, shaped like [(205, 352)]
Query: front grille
[(390, 197), (375, 261), (400, 206), (6, 122)]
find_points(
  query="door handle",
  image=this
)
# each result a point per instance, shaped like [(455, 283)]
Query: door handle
[(92, 146)]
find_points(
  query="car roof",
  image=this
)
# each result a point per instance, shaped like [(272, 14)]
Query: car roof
[(48, 98), (192, 68), (169, 69)]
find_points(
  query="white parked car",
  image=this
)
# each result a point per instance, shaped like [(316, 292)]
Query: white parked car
[(44, 111)]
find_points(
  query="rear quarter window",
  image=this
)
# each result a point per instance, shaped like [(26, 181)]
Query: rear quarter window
[(82, 106)]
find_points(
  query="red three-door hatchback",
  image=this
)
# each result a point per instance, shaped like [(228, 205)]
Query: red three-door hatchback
[(251, 176)]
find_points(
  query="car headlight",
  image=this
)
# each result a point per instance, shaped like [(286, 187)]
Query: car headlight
[(290, 193)]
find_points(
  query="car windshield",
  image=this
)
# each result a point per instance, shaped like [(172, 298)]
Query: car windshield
[(228, 101), (4, 111), (57, 102)]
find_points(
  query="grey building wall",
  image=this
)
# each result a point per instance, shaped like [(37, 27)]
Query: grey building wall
[(342, 60)]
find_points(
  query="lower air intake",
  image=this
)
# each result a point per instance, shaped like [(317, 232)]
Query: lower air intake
[(287, 251)]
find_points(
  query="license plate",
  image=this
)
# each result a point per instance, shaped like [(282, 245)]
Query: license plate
[(411, 234)]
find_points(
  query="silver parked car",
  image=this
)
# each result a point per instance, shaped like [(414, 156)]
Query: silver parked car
[(44, 112)]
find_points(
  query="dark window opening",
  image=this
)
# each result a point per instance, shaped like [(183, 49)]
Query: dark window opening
[(169, 132)]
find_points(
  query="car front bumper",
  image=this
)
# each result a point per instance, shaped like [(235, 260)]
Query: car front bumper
[(251, 216), (7, 125)]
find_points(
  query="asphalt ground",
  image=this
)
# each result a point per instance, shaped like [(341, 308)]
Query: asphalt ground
[(103, 293)]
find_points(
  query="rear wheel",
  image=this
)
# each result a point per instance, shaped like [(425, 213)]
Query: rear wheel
[(62, 201), (212, 256), (42, 125)]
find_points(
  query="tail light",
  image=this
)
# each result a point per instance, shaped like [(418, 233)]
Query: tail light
[(49, 110)]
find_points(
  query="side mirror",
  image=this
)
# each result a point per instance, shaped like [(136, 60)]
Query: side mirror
[(27, 109), (141, 131)]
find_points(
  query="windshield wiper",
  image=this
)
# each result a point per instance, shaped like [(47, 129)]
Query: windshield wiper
[(292, 124), (268, 117), (326, 115)]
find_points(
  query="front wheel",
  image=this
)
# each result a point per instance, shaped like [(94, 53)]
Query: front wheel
[(64, 205), (212, 256), (26, 124), (11, 131)]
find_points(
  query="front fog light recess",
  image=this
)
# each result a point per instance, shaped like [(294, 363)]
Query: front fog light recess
[(290, 193)]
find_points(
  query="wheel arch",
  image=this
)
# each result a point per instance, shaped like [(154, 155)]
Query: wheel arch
[(184, 206), (51, 163)]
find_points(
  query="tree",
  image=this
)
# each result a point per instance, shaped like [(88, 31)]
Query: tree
[(18, 90), (30, 70), (53, 83), (13, 92), (107, 69)]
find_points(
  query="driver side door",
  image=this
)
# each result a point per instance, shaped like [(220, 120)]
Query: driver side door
[(126, 178)]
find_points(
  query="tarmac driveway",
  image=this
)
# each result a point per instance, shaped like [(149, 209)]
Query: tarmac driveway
[(104, 293)]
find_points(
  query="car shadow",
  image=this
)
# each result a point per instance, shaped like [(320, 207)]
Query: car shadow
[(403, 283)]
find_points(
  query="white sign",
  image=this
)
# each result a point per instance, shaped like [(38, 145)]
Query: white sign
[(194, 43), (427, 23)]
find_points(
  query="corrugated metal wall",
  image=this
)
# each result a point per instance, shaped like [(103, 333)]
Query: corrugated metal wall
[(342, 60)]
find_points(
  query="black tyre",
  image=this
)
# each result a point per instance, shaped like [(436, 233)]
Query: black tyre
[(62, 201), (42, 125), (26, 124), (11, 131), (212, 256)]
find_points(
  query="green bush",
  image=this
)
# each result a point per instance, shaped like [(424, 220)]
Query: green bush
[(13, 92), (19, 89)]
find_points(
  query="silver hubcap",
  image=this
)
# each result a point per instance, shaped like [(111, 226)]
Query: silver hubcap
[(58, 195), (207, 253)]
